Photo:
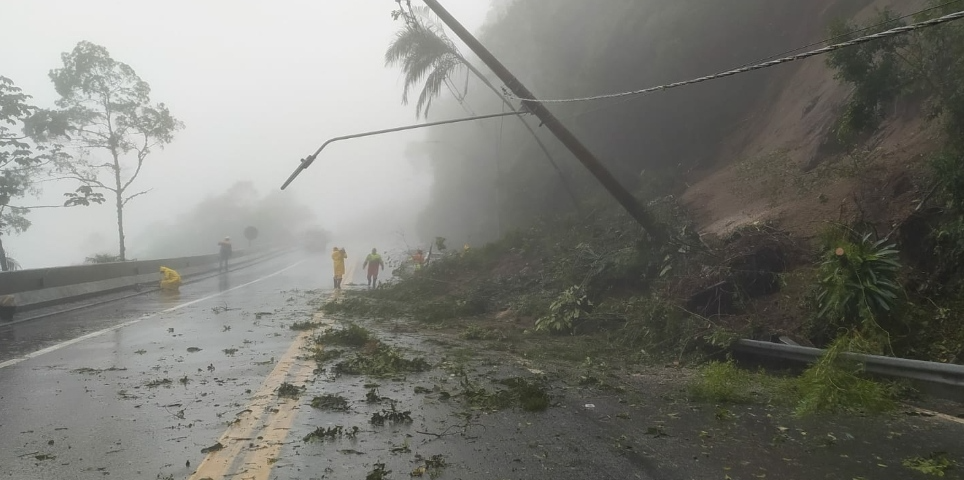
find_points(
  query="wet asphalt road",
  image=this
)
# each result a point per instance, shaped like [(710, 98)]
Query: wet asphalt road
[(157, 378), (139, 389)]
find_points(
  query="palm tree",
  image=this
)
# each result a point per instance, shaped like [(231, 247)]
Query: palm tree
[(427, 56), (8, 264)]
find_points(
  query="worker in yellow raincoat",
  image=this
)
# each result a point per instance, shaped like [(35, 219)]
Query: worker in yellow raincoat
[(170, 280), (338, 256)]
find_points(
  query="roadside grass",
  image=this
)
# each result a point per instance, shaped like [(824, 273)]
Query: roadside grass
[(827, 387), (476, 332), (725, 382)]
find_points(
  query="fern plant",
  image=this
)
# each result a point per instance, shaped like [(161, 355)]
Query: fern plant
[(565, 311), (858, 282)]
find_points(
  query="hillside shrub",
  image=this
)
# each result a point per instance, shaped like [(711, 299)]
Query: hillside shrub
[(857, 281), (571, 306), (927, 65)]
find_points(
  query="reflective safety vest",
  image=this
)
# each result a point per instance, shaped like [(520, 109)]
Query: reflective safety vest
[(373, 259)]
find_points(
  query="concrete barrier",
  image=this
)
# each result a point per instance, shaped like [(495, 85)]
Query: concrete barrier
[(43, 287)]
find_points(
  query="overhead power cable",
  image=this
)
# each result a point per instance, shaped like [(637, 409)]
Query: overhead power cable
[(623, 101), (759, 66), (859, 30)]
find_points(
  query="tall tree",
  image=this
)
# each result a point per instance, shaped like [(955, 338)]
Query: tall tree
[(105, 106), (21, 163), (428, 56), (18, 161)]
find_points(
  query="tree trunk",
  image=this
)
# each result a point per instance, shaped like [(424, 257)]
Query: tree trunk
[(119, 198), (4, 267), (120, 228)]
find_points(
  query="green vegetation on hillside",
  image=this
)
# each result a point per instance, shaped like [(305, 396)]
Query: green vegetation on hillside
[(590, 283), (925, 67)]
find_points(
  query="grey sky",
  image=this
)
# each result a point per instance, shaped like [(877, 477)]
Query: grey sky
[(258, 85)]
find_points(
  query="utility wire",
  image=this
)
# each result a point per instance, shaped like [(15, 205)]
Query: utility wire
[(814, 44), (860, 30), (760, 66)]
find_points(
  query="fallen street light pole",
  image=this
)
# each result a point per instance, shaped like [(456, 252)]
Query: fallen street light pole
[(586, 157), (307, 161)]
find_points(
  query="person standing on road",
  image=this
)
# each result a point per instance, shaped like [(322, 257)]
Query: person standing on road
[(373, 261), (224, 253), (338, 258), (418, 259)]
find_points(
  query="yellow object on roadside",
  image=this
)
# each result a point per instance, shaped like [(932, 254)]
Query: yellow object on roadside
[(170, 280)]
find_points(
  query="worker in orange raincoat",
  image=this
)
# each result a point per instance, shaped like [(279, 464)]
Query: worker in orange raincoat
[(418, 259), (170, 280), (338, 257)]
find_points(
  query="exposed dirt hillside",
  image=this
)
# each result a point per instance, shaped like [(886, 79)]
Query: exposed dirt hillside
[(782, 166)]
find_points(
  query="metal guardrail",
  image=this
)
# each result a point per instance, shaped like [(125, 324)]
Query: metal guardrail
[(930, 372)]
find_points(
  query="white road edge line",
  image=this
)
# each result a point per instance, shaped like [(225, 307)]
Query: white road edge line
[(54, 348)]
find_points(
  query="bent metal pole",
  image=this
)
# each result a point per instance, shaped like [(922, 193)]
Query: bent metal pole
[(307, 161), (608, 181)]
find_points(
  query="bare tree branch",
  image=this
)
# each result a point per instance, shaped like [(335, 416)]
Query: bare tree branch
[(135, 195), (90, 181), (141, 155), (31, 207)]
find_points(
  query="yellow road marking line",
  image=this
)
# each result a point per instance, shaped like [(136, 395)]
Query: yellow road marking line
[(217, 465), (273, 434)]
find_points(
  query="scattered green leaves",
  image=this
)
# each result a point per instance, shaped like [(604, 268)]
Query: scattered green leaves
[(352, 335), (936, 464), (329, 433), (835, 383), (381, 360), (378, 473), (287, 390), (391, 416), (305, 325), (332, 402)]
